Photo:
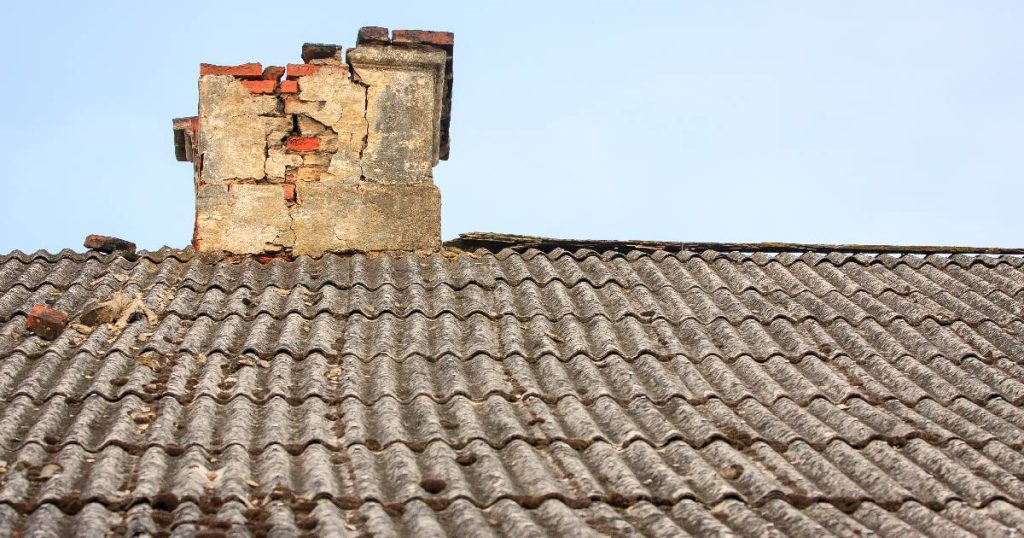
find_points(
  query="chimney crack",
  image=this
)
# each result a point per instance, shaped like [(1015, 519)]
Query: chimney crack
[(366, 119), (291, 222), (356, 79)]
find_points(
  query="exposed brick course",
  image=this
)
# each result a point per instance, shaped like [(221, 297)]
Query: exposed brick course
[(302, 143), (301, 70), (249, 70), (289, 86), (260, 86)]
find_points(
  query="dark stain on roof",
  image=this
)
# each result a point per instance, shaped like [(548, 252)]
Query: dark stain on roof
[(516, 392)]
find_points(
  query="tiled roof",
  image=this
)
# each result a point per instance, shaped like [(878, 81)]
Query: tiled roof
[(516, 393)]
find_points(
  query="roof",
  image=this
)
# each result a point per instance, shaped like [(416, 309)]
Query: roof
[(539, 391)]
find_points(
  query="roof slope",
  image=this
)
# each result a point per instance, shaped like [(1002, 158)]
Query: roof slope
[(517, 393)]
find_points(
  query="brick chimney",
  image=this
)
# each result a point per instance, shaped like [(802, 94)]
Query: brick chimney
[(332, 154)]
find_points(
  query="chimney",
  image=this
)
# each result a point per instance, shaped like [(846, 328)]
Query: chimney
[(332, 154)]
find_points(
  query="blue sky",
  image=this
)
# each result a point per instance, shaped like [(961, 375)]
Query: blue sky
[(812, 121)]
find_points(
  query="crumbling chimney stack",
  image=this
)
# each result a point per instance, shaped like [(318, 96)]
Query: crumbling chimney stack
[(333, 154)]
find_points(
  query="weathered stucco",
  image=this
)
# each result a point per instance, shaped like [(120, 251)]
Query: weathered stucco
[(366, 217), (233, 132), (278, 162), (244, 219), (405, 89), (334, 157), (339, 104)]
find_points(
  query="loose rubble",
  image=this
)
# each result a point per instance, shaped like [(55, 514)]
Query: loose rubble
[(46, 322), (109, 245)]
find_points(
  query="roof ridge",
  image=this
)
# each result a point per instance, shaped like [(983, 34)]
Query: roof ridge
[(498, 241)]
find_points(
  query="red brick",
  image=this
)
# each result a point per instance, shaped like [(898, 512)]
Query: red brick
[(252, 71), (424, 37), (372, 35), (289, 86), (46, 322), (260, 86), (301, 70), (289, 192), (302, 143), (273, 72)]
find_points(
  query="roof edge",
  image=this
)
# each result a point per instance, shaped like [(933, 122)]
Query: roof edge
[(496, 242)]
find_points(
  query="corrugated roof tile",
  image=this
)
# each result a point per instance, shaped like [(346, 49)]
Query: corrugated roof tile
[(543, 392)]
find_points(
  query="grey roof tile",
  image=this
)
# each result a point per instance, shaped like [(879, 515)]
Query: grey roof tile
[(507, 518), (515, 393)]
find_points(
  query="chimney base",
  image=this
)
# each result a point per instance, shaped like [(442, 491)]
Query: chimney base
[(367, 217), (321, 217)]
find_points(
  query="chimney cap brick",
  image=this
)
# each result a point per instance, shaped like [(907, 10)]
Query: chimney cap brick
[(373, 35), (312, 52), (253, 71), (445, 40)]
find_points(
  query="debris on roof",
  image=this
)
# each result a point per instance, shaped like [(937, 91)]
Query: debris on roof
[(120, 309), (109, 245), (45, 322)]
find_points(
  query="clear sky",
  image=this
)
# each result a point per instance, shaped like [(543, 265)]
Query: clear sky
[(812, 121)]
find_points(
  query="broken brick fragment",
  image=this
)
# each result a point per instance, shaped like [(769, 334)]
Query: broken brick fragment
[(424, 37), (252, 71), (289, 86), (266, 259), (289, 192), (372, 35), (260, 86), (301, 70), (108, 245), (273, 72), (46, 322), (321, 53), (302, 143)]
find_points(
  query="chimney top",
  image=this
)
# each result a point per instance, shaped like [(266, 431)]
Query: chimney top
[(335, 156)]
